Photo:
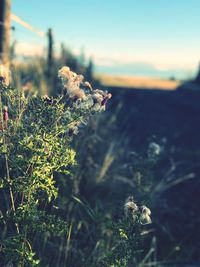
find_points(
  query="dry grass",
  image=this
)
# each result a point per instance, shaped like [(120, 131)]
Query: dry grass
[(137, 82)]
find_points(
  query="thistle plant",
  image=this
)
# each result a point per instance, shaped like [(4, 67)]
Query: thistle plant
[(139, 214), (127, 236), (35, 136)]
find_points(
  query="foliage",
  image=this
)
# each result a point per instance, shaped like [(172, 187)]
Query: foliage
[(127, 237), (34, 147), (73, 215)]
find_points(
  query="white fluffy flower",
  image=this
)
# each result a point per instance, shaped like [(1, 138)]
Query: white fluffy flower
[(145, 210), (64, 73), (130, 207), (80, 90), (154, 150), (71, 82), (145, 215), (4, 75), (98, 98)]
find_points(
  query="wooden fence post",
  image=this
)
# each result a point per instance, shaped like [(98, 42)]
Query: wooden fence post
[(50, 52), (5, 31)]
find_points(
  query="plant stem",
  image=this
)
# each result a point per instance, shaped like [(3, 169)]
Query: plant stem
[(6, 162)]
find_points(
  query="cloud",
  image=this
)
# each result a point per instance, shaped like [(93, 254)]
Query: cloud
[(29, 49), (150, 61), (103, 61)]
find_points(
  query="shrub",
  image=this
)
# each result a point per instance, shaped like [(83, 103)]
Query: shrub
[(35, 137)]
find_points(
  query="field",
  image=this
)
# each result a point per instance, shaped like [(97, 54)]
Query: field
[(137, 82)]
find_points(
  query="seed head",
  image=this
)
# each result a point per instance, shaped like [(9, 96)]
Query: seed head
[(4, 75), (145, 210), (130, 207), (88, 85), (64, 73), (5, 109), (153, 150), (78, 94), (145, 215)]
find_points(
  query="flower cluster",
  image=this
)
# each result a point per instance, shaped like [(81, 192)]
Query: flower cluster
[(141, 213), (82, 97), (81, 91)]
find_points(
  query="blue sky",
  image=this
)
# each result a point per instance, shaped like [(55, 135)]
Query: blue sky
[(135, 37)]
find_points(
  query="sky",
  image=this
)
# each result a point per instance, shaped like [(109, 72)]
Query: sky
[(157, 38)]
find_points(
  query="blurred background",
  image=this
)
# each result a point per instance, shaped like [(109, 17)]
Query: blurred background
[(146, 53)]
